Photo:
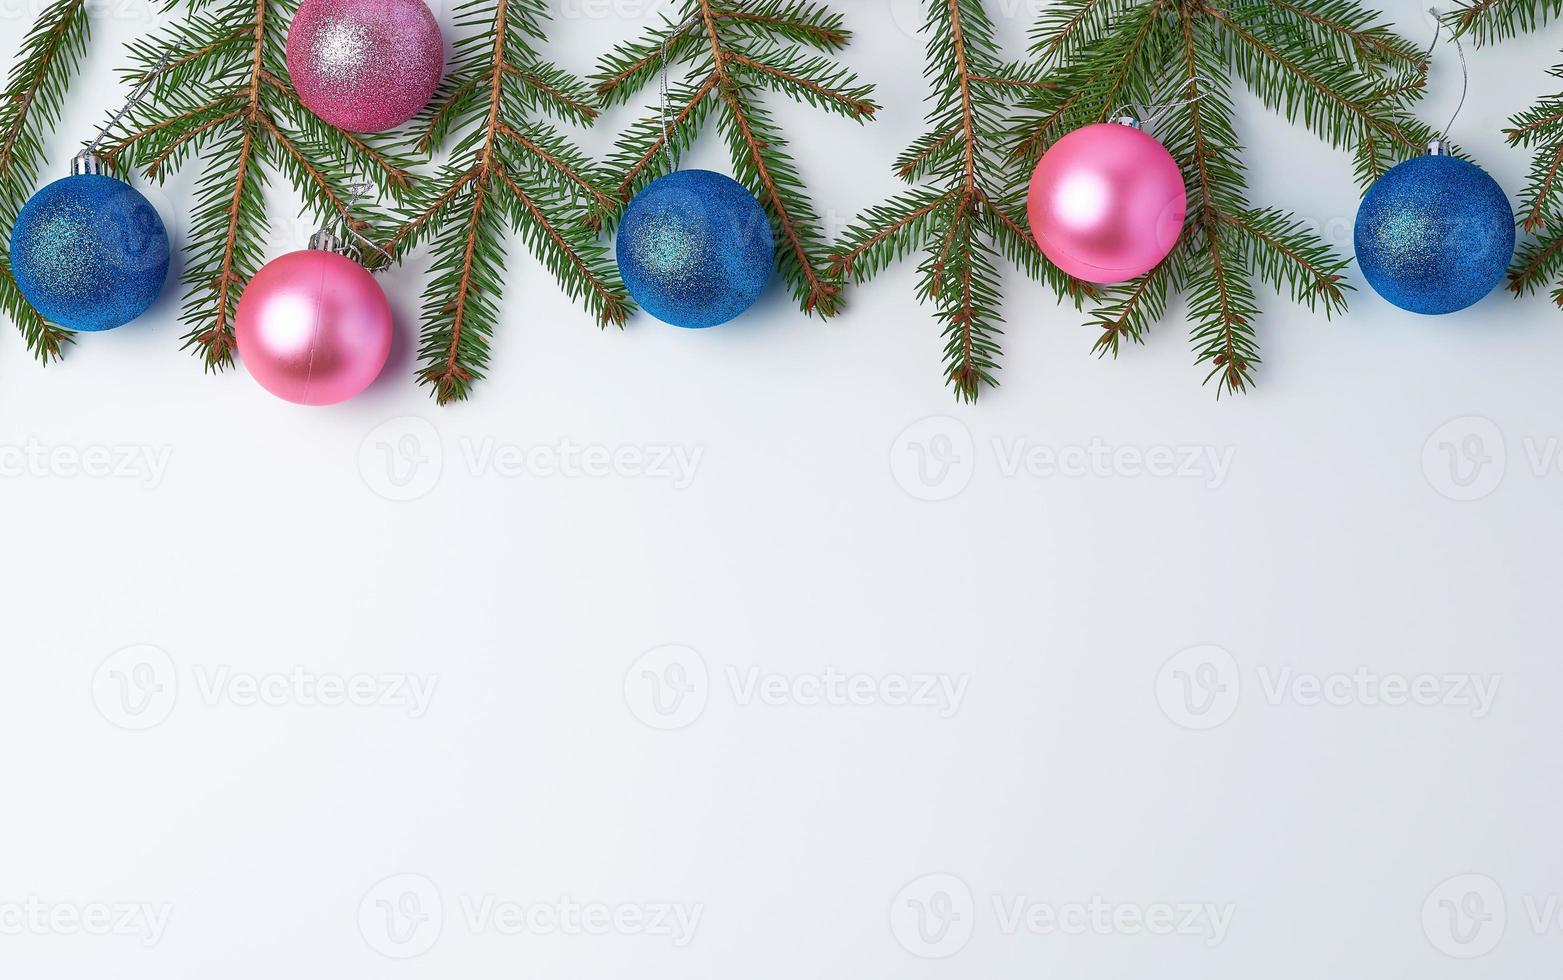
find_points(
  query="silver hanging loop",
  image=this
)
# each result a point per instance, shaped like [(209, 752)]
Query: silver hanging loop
[(326, 240), (667, 125), (1139, 115), (1439, 145), (88, 161)]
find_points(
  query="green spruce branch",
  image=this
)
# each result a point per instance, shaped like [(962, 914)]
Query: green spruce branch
[(726, 55), (1332, 65), (508, 170), (968, 207), (1539, 260), (30, 108), (1488, 21), (219, 95), (1538, 263)]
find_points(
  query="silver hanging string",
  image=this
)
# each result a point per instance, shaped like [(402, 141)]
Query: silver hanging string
[(1150, 115), (1465, 69), (667, 125), (325, 241), (86, 160)]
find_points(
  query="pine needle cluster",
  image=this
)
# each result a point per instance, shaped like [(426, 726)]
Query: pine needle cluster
[(969, 205), (30, 109), (509, 169), (726, 55), (1331, 65), (1488, 21), (1539, 261), (219, 93)]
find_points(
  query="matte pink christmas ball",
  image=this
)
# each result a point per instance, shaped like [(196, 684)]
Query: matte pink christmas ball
[(314, 328), (365, 66), (1107, 203)]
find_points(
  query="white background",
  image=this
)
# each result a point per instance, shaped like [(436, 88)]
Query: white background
[(1057, 603)]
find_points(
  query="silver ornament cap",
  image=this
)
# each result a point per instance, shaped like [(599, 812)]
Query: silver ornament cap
[(86, 162), (324, 241)]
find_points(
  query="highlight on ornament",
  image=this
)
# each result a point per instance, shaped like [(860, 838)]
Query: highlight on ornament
[(696, 249), (366, 66)]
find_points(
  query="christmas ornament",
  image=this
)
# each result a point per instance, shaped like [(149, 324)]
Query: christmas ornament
[(314, 327), (88, 251), (1435, 234), (695, 248), (1107, 202), (365, 66)]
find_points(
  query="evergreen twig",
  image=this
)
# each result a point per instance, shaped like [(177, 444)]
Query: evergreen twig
[(1538, 262), (733, 52), (30, 108), (219, 90), (1489, 21), (970, 205), (1330, 64), (508, 169)]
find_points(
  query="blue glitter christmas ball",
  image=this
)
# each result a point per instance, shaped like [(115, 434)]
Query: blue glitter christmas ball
[(695, 248), (1435, 234), (89, 252)]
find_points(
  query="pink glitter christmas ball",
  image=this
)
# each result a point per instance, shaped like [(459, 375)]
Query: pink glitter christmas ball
[(1107, 203), (314, 328), (365, 66)]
